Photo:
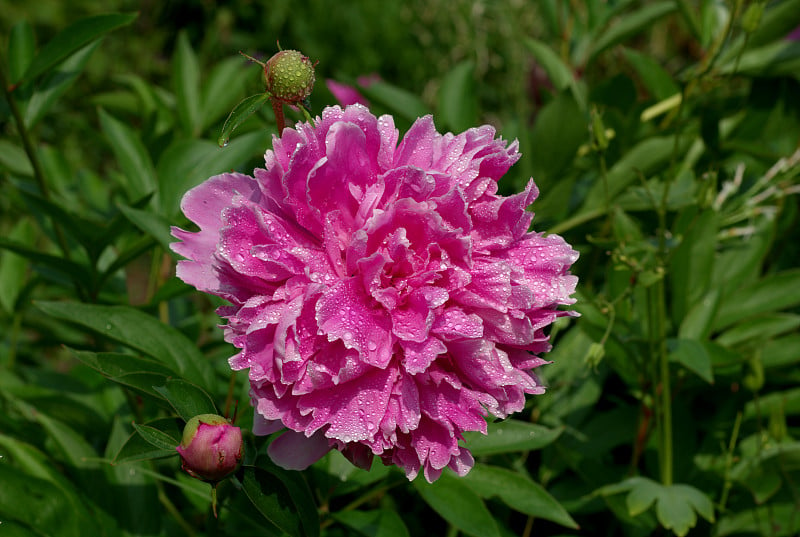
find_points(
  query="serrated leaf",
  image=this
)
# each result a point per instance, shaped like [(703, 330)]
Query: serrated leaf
[(458, 98), (131, 155), (509, 436), (518, 492), (73, 38), (674, 512), (641, 495), (139, 331), (459, 505), (187, 399), (246, 108)]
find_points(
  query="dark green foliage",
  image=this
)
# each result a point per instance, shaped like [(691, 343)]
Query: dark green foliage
[(663, 136)]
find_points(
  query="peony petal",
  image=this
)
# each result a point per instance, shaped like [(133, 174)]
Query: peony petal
[(296, 451)]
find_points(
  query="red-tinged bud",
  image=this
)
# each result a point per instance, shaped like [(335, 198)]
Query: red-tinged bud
[(289, 76), (211, 448)]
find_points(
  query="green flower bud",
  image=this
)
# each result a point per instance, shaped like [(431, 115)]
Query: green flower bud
[(211, 448), (289, 76)]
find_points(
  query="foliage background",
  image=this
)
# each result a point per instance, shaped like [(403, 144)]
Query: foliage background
[(663, 136)]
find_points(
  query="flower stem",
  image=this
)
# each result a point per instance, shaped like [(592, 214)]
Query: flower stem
[(30, 151), (665, 402), (277, 107)]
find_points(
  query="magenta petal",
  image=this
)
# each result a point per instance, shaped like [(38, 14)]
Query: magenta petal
[(264, 427), (384, 297), (296, 451)]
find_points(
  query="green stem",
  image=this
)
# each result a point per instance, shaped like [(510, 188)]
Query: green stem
[(30, 151), (665, 401), (688, 16)]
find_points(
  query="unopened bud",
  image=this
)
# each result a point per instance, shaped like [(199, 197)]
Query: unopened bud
[(289, 76), (211, 448)]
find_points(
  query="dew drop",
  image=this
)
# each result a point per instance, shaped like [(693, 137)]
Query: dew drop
[(372, 345)]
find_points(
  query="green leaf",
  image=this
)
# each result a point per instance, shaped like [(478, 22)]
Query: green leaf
[(36, 494), (219, 93), (21, 49), (781, 58), (693, 262), (139, 331), (693, 356), (55, 83), (74, 271), (518, 492), (112, 364), (782, 352), (186, 82), (657, 81), (151, 223), (458, 98), (131, 155), (399, 101), (642, 495), (136, 448), (559, 73), (459, 505), (35, 503), (509, 436), (631, 24), (14, 159), (760, 329), (156, 437), (559, 131), (771, 293), (697, 323), (776, 520), (376, 523), (187, 163), (269, 493), (187, 399), (674, 512), (239, 114), (73, 38), (643, 159), (89, 233), (13, 267), (778, 20)]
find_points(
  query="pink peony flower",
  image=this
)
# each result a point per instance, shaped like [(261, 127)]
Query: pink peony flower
[(384, 297), (346, 94)]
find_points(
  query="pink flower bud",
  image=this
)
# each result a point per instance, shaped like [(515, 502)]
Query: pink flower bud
[(211, 448)]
